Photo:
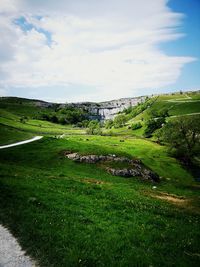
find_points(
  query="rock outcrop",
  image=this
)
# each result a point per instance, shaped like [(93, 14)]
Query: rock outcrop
[(108, 109), (135, 169)]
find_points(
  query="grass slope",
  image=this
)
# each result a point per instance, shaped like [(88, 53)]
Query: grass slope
[(71, 214), (9, 135), (176, 104), (11, 120)]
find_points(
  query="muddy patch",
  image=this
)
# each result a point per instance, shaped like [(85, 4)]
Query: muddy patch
[(190, 204), (94, 181)]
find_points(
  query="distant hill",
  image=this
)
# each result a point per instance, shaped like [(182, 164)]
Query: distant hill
[(102, 110)]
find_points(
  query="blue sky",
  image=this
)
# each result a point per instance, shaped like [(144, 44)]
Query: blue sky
[(74, 50), (189, 45)]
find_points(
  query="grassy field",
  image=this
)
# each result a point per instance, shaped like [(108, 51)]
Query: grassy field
[(11, 120), (10, 135), (65, 213), (72, 214)]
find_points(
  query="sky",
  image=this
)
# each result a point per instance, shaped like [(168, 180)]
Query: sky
[(91, 50)]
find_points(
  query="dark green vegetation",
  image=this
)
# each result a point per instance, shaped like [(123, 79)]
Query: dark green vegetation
[(38, 110), (183, 136), (76, 214), (94, 128)]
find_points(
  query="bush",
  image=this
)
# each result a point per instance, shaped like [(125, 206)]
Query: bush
[(152, 125), (108, 124), (136, 126), (94, 128), (119, 121), (183, 137), (157, 114)]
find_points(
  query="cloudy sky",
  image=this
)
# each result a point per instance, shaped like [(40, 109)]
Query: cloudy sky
[(93, 50)]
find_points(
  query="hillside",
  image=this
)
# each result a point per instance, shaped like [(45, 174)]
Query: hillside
[(176, 104), (67, 212)]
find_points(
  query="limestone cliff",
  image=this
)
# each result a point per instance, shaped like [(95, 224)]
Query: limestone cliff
[(107, 110), (102, 110)]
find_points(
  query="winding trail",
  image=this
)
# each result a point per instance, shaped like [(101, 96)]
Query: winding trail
[(22, 142), (11, 253)]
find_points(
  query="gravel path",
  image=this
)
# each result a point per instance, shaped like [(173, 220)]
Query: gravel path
[(22, 142), (11, 254)]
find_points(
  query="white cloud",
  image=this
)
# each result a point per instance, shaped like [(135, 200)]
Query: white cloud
[(110, 46)]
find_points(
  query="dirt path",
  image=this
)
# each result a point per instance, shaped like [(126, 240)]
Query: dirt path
[(11, 254), (182, 115), (22, 142)]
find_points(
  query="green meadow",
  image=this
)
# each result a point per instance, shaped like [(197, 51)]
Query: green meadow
[(66, 213)]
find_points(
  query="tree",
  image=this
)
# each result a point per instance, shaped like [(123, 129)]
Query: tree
[(23, 119), (158, 113), (153, 124), (156, 121), (183, 137), (119, 121), (108, 124), (136, 126), (94, 128), (85, 123), (54, 119)]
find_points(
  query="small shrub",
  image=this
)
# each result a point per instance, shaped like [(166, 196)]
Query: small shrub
[(136, 126), (94, 128)]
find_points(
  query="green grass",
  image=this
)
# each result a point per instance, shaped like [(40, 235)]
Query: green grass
[(24, 109), (9, 119), (76, 214), (10, 135), (71, 214), (185, 108), (176, 104)]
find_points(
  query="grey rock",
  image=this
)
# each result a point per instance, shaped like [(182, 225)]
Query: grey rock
[(119, 172), (136, 166)]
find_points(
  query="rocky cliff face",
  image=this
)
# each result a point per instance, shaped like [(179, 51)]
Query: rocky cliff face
[(102, 110), (107, 110)]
